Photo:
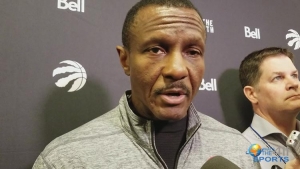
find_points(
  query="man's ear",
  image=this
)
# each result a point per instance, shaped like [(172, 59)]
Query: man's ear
[(124, 59), (250, 93)]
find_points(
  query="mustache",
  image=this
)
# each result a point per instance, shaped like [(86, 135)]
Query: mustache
[(177, 85)]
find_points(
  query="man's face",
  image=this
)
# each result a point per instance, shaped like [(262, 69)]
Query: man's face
[(165, 61), (278, 86)]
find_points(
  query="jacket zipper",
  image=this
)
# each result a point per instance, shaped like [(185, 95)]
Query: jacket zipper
[(154, 147), (179, 152)]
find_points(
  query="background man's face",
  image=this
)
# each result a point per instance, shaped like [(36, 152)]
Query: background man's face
[(278, 87), (166, 61)]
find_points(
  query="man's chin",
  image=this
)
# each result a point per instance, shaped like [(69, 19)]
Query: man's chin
[(293, 109)]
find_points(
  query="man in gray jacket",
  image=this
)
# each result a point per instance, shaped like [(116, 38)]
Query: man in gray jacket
[(155, 124)]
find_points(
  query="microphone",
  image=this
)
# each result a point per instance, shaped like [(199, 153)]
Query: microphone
[(276, 167), (219, 162)]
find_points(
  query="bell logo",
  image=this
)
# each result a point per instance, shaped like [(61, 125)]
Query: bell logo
[(209, 86), (295, 39), (252, 34), (78, 74), (73, 6)]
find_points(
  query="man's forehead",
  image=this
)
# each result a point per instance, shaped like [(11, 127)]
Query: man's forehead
[(154, 16), (273, 64), (151, 12)]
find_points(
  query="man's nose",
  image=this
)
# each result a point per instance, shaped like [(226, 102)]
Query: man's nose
[(292, 84), (175, 66)]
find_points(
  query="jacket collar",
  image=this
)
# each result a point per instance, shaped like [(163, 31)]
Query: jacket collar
[(140, 129)]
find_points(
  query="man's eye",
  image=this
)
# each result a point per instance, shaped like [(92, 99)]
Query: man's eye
[(194, 53), (156, 50), (278, 78), (295, 76)]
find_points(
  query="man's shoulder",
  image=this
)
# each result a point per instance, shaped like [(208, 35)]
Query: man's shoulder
[(225, 141), (211, 124), (222, 134), (96, 129)]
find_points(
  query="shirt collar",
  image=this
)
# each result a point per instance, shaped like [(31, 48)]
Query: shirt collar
[(265, 128)]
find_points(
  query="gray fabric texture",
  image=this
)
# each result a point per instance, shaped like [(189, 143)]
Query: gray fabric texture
[(121, 139)]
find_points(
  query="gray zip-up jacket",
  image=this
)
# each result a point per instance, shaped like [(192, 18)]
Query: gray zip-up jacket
[(121, 139)]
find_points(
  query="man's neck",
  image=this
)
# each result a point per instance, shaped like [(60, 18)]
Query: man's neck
[(283, 121)]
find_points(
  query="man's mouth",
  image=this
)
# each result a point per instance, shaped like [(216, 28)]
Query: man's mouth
[(173, 96), (296, 96)]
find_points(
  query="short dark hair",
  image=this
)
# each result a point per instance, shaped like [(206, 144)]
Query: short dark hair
[(249, 71), (143, 3)]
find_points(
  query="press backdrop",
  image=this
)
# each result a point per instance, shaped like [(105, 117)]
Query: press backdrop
[(59, 67)]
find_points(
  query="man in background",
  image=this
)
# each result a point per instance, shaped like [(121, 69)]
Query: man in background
[(271, 83), (155, 124)]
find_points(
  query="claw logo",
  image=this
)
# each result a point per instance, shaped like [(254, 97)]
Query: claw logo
[(295, 39), (77, 73)]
